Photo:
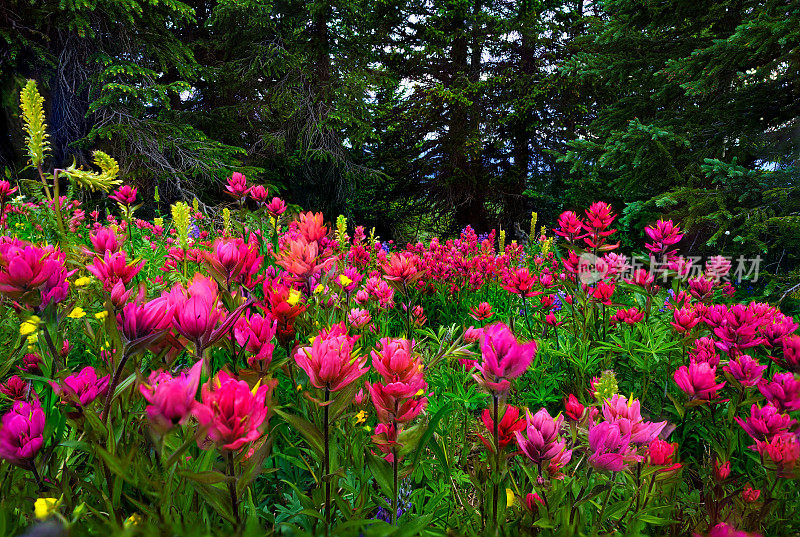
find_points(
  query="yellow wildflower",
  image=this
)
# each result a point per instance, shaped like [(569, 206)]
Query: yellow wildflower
[(344, 280), (83, 280), (318, 289), (44, 507), (30, 326), (294, 297), (361, 417), (134, 519), (509, 497), (100, 315), (77, 313)]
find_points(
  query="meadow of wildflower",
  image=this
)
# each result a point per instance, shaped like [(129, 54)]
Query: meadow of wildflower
[(260, 370)]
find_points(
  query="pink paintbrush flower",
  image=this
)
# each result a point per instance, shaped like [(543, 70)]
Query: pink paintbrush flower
[(626, 413), (21, 431), (765, 422), (113, 268), (105, 240), (745, 370), (125, 195), (541, 439), (231, 412), (329, 361), (237, 185), (504, 358), (783, 391), (698, 381), (81, 389), (171, 398), (611, 448), (396, 361)]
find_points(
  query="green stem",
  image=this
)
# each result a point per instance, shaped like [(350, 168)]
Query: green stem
[(326, 462), (599, 520), (395, 484), (232, 490)]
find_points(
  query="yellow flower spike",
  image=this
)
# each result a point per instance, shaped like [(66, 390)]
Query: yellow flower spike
[(361, 417), (29, 326), (44, 507), (344, 280), (100, 315), (294, 297), (83, 280), (77, 313), (132, 520), (158, 221), (534, 217), (509, 497)]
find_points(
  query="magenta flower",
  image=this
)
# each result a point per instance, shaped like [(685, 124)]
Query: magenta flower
[(276, 208), (698, 381), (745, 370), (726, 530), (81, 389), (124, 195), (396, 361), (6, 190), (137, 321), (610, 447), (684, 319), (764, 423), (237, 185), (602, 292), (569, 226), (788, 355), (701, 288), (783, 449), (231, 412), (398, 402), (16, 389), (739, 329), (171, 399), (663, 234), (105, 240), (783, 391), (626, 413), (113, 268), (329, 361), (21, 431), (504, 358), (232, 259), (255, 333), (704, 351), (25, 268), (259, 194), (541, 440), (358, 318)]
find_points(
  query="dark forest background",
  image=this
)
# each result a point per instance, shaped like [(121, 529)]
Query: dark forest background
[(425, 116)]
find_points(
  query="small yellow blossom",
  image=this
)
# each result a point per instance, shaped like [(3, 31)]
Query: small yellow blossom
[(100, 315), (361, 417), (33, 339), (294, 297), (318, 289), (30, 326), (44, 507), (158, 222), (344, 280), (132, 520), (420, 392), (77, 313), (83, 280), (299, 387), (509, 497)]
